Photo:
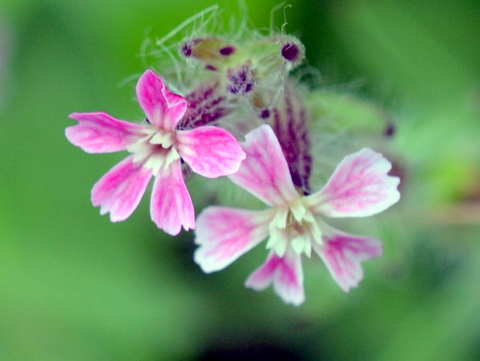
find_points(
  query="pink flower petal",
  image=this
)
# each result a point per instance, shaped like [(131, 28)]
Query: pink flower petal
[(343, 254), (171, 206), (121, 189), (285, 273), (359, 187), (162, 107), (264, 172), (224, 234), (99, 132), (210, 151)]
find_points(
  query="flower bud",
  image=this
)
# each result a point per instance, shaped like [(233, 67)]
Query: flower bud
[(211, 51), (290, 123), (206, 106)]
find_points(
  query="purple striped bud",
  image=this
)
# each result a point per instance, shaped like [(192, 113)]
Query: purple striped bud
[(290, 123), (206, 106)]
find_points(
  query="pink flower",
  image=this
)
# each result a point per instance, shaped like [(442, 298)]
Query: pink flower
[(359, 187), (158, 149)]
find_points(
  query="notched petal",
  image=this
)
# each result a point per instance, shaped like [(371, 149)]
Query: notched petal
[(285, 273), (163, 108), (120, 190), (224, 234), (171, 206), (359, 187), (210, 151), (264, 172), (344, 253), (99, 132)]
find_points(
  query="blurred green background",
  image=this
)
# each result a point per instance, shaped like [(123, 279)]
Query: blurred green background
[(74, 286)]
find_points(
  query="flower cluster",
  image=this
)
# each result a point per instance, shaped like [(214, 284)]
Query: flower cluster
[(241, 115), (158, 149)]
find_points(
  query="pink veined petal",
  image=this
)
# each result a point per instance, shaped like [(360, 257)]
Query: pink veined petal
[(224, 234), (344, 253), (171, 206), (162, 107), (264, 172), (285, 273), (99, 132), (121, 189), (210, 151), (359, 187)]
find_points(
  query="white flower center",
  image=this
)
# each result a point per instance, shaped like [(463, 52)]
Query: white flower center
[(155, 149), (296, 226)]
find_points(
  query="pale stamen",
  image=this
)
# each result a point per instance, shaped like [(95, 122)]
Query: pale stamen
[(155, 150)]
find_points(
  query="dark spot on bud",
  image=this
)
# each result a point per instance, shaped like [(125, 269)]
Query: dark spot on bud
[(226, 51), (187, 50), (189, 46), (148, 121), (389, 131), (290, 52), (211, 67), (265, 114)]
